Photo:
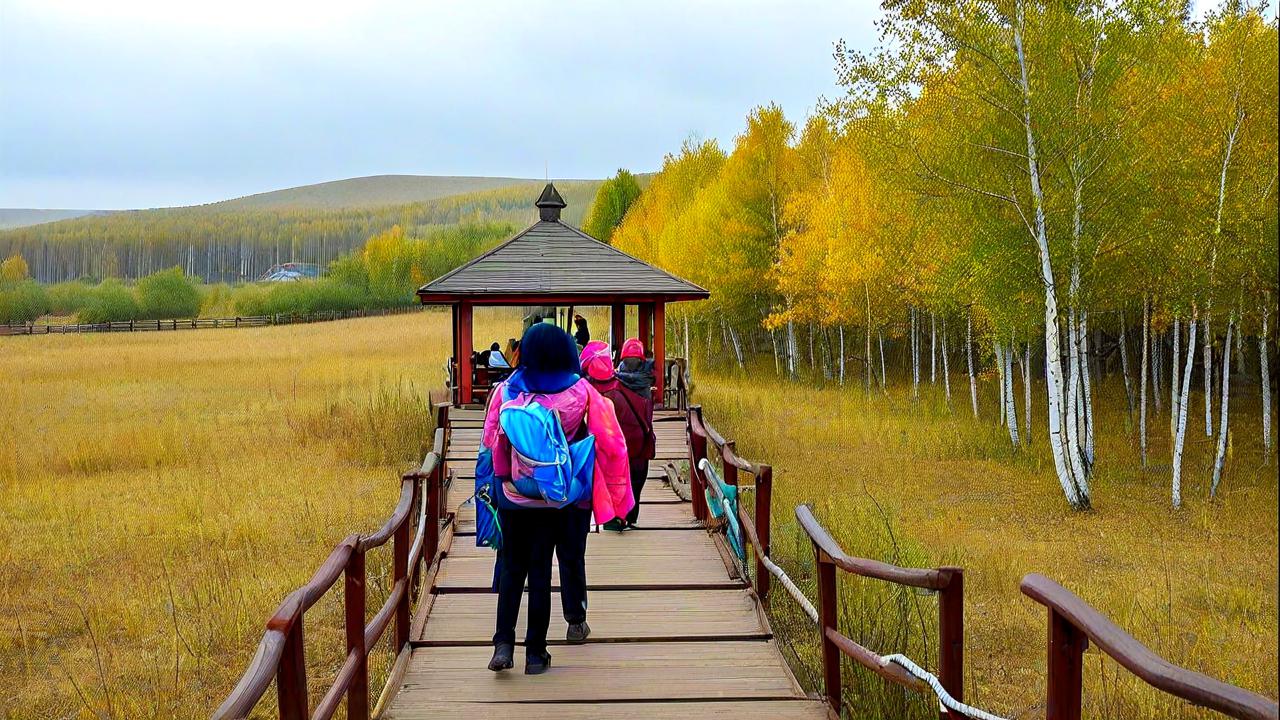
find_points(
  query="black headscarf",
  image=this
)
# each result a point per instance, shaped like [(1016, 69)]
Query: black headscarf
[(548, 360)]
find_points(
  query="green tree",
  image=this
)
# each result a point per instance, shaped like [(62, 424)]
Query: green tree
[(610, 205), (167, 294)]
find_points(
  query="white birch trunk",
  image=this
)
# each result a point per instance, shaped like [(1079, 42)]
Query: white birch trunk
[(1085, 376), (1142, 382), (1221, 458), (915, 354), (1026, 395), (1179, 437), (1173, 377), (1011, 411), (688, 350), (933, 348), (812, 364), (883, 371), (968, 354), (1066, 459), (1075, 400), (946, 374), (1208, 377), (1124, 367), (791, 350), (777, 361), (1265, 371), (1157, 355), (842, 355), (737, 347), (1000, 380)]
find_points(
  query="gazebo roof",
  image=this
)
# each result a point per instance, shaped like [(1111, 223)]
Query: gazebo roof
[(550, 261)]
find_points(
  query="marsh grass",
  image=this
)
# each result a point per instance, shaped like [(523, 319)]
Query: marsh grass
[(160, 494), (919, 483)]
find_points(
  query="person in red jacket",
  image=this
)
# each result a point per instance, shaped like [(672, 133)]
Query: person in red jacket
[(635, 415)]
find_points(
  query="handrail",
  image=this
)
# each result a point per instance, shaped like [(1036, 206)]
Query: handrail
[(932, 579), (1073, 623), (948, 581), (756, 529), (281, 655)]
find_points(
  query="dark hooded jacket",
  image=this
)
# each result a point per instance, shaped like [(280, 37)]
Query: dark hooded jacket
[(637, 375)]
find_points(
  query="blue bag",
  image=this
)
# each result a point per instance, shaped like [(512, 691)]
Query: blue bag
[(548, 467), (488, 528)]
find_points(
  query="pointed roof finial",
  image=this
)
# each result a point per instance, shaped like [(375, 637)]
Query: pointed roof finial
[(549, 204)]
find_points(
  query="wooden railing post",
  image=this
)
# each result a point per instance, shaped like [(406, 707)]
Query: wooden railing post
[(697, 452), (729, 470), (354, 601), (1066, 665), (827, 621), (400, 560), (951, 635), (291, 677), (764, 502)]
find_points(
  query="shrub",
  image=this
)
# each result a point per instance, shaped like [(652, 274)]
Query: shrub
[(22, 301), (14, 269), (69, 298), (299, 297), (167, 294), (110, 302)]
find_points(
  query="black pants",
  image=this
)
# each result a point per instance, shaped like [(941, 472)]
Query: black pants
[(639, 470), (528, 539), (571, 552)]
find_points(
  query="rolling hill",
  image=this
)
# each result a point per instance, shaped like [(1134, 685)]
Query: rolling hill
[(22, 217), (239, 239), (371, 191)]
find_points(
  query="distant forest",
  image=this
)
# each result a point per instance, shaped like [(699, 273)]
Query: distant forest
[(233, 245)]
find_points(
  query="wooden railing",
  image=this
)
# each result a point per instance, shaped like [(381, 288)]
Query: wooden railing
[(948, 582), (281, 654), (1073, 624), (702, 436)]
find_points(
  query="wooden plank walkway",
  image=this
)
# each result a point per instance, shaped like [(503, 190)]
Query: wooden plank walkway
[(674, 631)]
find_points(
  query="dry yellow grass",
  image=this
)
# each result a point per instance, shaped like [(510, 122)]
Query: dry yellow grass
[(917, 484), (160, 493)]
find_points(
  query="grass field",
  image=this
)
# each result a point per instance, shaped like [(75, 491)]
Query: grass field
[(160, 493), (922, 485)]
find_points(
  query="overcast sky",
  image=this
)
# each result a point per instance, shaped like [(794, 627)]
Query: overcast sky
[(136, 103), (108, 104)]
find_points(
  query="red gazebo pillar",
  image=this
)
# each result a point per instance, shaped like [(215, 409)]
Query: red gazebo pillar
[(646, 324), (659, 350), (463, 343)]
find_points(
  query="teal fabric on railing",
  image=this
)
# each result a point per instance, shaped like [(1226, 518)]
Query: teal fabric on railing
[(717, 507)]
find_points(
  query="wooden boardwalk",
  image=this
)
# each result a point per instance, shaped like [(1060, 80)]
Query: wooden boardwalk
[(674, 631)]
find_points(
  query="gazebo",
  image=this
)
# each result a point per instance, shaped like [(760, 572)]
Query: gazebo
[(552, 264)]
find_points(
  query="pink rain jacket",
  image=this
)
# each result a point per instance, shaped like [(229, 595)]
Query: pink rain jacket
[(611, 495)]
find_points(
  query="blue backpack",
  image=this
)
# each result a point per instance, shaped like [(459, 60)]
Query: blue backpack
[(488, 527), (548, 467)]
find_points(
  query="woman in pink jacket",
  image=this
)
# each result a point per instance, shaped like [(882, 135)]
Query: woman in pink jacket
[(549, 372)]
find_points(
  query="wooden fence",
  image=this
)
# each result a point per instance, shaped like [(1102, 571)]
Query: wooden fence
[(200, 323), (281, 654), (1072, 623)]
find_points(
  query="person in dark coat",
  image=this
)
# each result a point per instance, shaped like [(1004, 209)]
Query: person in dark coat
[(581, 333), (634, 370), (634, 411)]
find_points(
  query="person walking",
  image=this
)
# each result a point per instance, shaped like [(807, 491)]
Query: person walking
[(548, 374), (581, 333), (635, 416)]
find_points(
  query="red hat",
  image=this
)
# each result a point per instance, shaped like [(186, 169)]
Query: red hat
[(633, 348)]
